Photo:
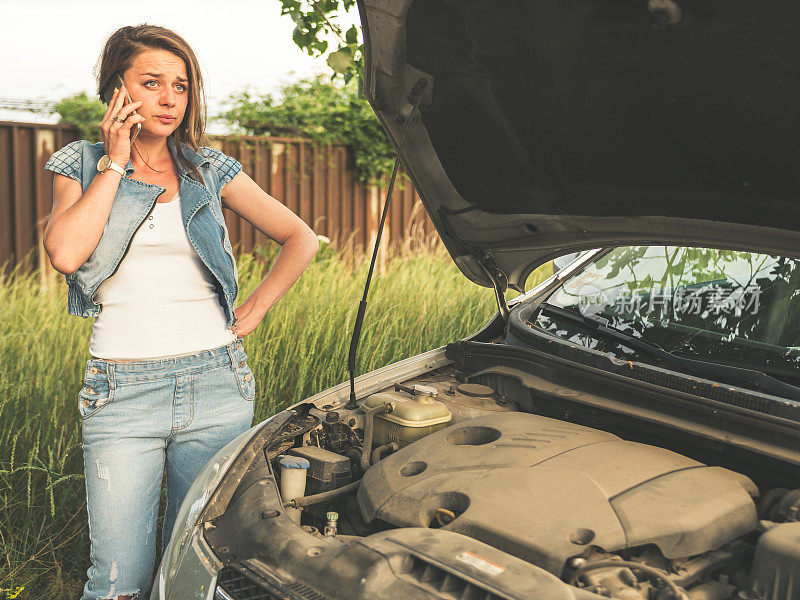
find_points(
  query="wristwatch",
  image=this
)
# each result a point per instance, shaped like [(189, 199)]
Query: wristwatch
[(105, 163)]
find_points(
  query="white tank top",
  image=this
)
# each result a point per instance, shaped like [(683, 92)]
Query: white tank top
[(161, 301)]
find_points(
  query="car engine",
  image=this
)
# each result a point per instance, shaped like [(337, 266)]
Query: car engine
[(541, 490), (609, 517)]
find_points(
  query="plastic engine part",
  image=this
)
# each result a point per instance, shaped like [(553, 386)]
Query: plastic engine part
[(327, 471), (776, 566), (543, 490)]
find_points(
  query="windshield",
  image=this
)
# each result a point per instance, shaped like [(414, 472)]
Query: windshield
[(737, 308)]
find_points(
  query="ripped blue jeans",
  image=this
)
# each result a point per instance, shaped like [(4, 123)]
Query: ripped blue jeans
[(138, 418)]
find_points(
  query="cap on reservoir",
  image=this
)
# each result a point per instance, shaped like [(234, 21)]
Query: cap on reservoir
[(293, 462)]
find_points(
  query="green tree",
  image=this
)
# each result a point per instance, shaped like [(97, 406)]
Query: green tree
[(83, 112), (326, 111)]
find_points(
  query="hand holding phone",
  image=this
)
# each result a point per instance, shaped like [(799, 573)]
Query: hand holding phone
[(121, 123), (108, 92)]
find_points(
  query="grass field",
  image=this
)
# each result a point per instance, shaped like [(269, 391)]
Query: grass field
[(419, 302)]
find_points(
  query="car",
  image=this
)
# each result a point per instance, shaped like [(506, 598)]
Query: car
[(627, 429)]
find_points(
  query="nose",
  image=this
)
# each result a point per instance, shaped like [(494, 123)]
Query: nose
[(168, 96)]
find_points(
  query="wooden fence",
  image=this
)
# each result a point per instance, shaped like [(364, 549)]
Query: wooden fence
[(318, 183)]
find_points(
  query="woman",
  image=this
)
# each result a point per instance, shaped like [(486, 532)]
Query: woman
[(137, 227)]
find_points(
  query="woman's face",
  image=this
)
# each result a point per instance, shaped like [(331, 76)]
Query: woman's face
[(158, 79)]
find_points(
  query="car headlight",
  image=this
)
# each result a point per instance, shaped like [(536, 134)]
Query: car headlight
[(193, 503)]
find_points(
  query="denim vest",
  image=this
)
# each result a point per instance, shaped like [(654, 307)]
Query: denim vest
[(201, 211)]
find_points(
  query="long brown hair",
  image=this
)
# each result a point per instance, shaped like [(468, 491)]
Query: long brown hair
[(122, 47)]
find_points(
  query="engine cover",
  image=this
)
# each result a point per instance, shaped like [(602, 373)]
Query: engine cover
[(543, 490)]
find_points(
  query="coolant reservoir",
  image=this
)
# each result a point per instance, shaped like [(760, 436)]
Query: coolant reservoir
[(412, 417)]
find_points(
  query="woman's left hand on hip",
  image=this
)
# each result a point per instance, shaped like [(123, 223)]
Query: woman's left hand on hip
[(247, 318)]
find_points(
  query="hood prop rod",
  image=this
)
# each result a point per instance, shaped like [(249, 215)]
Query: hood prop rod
[(415, 96), (499, 283)]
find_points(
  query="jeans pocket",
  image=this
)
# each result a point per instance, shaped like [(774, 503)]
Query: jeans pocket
[(244, 376), (95, 394)]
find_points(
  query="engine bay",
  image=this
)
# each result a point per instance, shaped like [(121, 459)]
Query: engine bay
[(438, 460)]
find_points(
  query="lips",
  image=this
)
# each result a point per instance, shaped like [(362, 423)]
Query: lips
[(165, 118)]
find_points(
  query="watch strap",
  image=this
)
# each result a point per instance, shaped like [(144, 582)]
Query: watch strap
[(115, 167)]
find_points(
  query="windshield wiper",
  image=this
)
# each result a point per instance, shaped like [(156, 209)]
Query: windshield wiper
[(751, 377)]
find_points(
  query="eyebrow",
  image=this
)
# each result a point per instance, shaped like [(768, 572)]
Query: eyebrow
[(179, 78)]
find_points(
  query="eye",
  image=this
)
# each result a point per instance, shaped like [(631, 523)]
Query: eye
[(150, 81), (182, 86)]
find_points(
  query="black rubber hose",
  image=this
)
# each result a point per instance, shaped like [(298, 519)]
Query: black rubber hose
[(633, 565), (323, 496), (377, 453), (769, 500), (369, 416)]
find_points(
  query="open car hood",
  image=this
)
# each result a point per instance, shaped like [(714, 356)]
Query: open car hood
[(550, 126)]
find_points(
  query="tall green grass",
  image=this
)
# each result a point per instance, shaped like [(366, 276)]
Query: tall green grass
[(418, 302)]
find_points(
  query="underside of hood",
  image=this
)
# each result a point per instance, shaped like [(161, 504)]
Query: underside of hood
[(550, 126)]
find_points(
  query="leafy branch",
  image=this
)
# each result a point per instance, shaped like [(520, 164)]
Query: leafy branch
[(315, 19)]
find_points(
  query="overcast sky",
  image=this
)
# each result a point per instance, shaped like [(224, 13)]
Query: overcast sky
[(48, 48)]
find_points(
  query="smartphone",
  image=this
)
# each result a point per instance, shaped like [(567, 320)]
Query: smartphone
[(108, 92)]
